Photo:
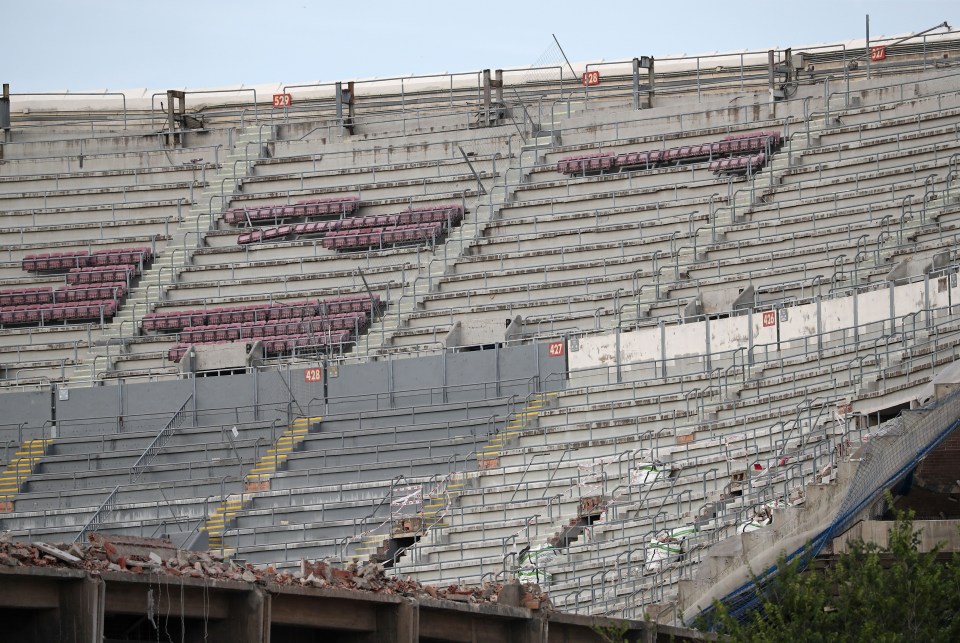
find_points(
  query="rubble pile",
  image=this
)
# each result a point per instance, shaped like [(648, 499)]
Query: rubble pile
[(107, 553)]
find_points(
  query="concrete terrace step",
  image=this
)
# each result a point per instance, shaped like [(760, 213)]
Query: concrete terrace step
[(167, 264), (18, 470)]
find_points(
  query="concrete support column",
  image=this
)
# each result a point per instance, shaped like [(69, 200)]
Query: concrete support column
[(80, 617), (407, 626), (248, 620), (52, 606)]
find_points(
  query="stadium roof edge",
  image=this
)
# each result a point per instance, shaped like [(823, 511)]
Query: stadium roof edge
[(140, 98)]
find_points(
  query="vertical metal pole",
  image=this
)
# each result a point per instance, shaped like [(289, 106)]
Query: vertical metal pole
[(486, 97), (706, 328), (496, 355), (663, 348), (868, 46), (4, 115), (651, 84), (339, 100), (636, 83), (771, 77), (351, 94), (619, 363), (171, 124), (256, 394)]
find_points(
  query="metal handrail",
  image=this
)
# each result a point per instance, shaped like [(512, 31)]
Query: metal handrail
[(159, 441), (98, 516)]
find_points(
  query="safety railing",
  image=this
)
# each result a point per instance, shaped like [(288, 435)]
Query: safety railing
[(176, 421)]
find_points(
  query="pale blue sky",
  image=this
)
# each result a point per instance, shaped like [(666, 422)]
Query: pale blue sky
[(53, 45)]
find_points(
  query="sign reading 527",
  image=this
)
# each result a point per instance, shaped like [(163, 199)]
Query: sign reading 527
[(878, 53)]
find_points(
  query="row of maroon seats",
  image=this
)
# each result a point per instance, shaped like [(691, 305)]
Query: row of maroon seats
[(586, 163), (354, 322), (378, 237), (314, 228), (115, 290), (450, 214), (274, 346), (734, 144), (177, 320), (102, 275), (22, 296), (46, 294), (739, 164), (308, 208), (42, 313), (58, 261)]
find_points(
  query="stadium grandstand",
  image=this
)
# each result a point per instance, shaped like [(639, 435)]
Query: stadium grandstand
[(626, 329)]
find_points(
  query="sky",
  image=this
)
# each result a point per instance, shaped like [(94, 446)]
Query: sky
[(110, 45)]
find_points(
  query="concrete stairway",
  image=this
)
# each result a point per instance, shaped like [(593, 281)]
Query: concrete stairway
[(433, 266), (21, 465), (405, 531), (484, 210), (257, 479), (168, 262)]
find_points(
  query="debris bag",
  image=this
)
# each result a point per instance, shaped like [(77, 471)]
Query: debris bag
[(665, 548), (532, 563)]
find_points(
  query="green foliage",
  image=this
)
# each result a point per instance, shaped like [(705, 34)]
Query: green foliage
[(613, 633), (871, 595)]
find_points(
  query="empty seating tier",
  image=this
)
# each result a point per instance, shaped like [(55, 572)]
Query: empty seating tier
[(356, 322), (65, 294), (282, 345), (311, 207), (178, 320), (413, 224), (102, 275), (735, 144), (739, 164), (60, 261), (47, 313)]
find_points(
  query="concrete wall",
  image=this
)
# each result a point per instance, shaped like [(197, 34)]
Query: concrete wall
[(793, 327), (23, 415), (283, 394)]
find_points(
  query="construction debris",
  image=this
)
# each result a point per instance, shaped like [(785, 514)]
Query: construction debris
[(107, 553)]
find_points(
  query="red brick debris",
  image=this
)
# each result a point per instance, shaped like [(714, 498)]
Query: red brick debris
[(106, 553)]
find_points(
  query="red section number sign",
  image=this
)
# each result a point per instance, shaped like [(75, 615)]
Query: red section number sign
[(313, 375), (591, 78), (769, 318), (878, 53), (555, 349), (282, 100)]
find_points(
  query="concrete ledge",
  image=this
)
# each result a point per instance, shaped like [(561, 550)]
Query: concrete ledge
[(76, 605)]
